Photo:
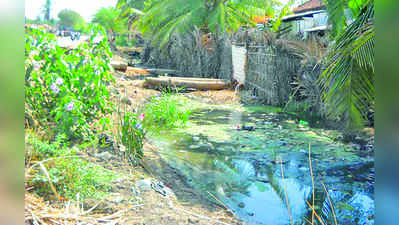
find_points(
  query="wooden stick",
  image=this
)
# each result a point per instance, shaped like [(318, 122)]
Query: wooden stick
[(311, 174)]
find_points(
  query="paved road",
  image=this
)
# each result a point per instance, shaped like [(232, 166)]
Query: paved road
[(67, 42)]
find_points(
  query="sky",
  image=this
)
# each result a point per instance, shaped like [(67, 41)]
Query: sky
[(86, 8)]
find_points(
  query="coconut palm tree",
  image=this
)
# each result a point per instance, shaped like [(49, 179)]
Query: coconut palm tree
[(341, 12), (348, 80), (130, 10), (162, 19)]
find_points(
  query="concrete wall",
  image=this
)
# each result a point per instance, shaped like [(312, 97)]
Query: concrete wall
[(239, 55)]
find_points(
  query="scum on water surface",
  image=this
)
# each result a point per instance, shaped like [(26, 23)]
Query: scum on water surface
[(241, 168)]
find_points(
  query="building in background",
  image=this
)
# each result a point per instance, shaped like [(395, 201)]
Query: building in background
[(309, 18)]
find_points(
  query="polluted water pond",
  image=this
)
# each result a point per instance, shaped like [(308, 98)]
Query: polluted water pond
[(263, 174)]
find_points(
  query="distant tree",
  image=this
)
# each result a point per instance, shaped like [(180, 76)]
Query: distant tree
[(71, 19), (46, 10), (110, 20), (128, 4), (52, 22), (38, 20)]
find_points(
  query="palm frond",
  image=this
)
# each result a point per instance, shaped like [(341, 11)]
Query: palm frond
[(338, 13), (162, 19), (348, 81)]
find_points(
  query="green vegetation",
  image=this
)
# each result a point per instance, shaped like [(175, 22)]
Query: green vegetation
[(348, 81), (161, 19), (123, 40), (109, 19), (167, 111), (131, 133), (67, 100), (70, 18), (130, 10), (66, 90), (338, 17), (56, 165)]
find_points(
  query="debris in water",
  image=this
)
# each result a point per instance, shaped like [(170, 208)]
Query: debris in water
[(248, 128)]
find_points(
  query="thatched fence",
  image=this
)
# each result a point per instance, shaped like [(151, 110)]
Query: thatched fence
[(196, 54), (269, 65), (265, 65), (270, 72)]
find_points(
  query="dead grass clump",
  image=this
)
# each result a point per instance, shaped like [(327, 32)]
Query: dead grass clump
[(38, 212)]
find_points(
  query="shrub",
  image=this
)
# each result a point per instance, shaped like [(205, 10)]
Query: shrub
[(167, 111), (66, 89)]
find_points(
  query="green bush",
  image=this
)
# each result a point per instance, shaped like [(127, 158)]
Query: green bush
[(68, 172), (66, 89), (167, 111)]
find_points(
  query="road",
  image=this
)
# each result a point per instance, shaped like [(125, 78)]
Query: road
[(67, 42)]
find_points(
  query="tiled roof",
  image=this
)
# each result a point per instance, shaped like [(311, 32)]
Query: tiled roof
[(310, 5), (261, 19)]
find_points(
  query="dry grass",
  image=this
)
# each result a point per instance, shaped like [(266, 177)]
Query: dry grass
[(38, 212), (218, 96)]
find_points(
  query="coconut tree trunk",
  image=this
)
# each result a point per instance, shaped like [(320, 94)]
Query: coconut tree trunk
[(129, 31)]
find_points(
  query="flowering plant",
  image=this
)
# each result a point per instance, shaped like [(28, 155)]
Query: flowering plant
[(66, 88)]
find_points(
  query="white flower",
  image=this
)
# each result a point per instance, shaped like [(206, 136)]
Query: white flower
[(55, 88), (70, 106), (59, 81)]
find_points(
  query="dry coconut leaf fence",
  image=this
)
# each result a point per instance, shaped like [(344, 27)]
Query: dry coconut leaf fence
[(196, 54)]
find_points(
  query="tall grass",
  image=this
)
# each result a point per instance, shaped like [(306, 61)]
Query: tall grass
[(131, 133), (168, 111)]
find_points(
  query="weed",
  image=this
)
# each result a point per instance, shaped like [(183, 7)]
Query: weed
[(167, 111), (131, 133)]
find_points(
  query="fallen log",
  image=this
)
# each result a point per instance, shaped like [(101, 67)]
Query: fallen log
[(119, 65), (161, 71), (187, 82)]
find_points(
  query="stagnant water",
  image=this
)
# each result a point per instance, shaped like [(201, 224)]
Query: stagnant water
[(264, 175)]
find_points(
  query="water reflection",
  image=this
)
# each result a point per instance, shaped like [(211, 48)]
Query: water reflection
[(241, 169)]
